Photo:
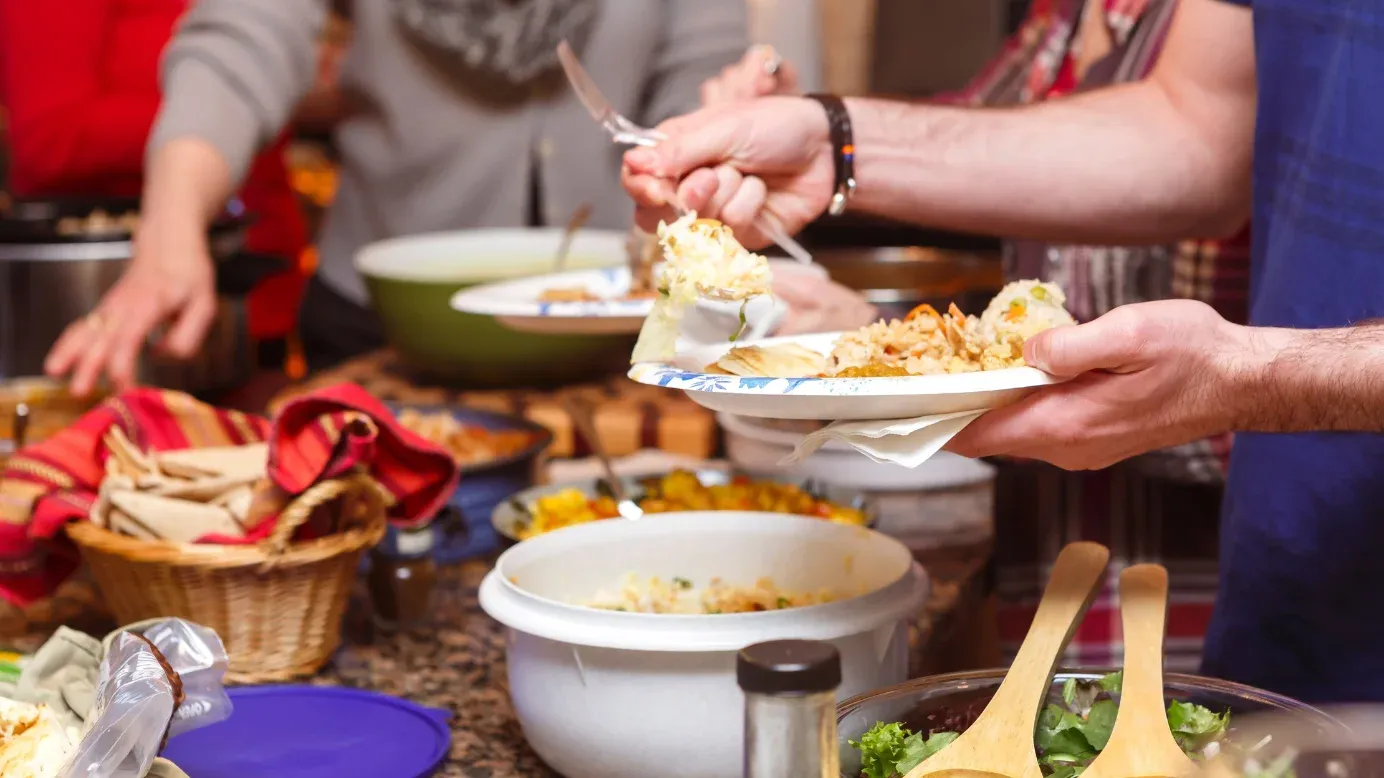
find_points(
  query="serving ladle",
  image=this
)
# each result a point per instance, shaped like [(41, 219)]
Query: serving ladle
[(1141, 745), (1000, 742)]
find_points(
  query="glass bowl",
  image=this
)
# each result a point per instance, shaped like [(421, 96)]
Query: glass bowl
[(928, 703)]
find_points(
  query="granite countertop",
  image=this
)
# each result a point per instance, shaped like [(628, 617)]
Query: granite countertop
[(458, 663)]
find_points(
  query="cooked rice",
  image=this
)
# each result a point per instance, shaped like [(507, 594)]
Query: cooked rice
[(681, 596), (928, 343)]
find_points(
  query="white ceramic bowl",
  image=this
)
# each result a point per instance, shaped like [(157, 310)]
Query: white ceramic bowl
[(604, 694)]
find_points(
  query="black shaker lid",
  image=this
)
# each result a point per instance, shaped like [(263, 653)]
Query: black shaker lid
[(789, 667)]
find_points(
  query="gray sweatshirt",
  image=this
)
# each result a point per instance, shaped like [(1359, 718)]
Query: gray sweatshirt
[(425, 148)]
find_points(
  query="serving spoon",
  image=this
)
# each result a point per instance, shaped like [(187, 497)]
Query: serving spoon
[(585, 419), (1141, 745), (1000, 742), (578, 220)]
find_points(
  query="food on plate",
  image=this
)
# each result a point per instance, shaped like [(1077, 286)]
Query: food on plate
[(785, 360), (923, 343), (927, 342), (702, 259), (682, 490), (681, 596), (569, 294), (469, 444), (98, 223), (1072, 729), (33, 743), (643, 250)]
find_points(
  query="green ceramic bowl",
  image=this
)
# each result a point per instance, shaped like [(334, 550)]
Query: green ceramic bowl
[(412, 280)]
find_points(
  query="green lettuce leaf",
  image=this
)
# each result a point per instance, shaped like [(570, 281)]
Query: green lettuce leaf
[(881, 748), (918, 749)]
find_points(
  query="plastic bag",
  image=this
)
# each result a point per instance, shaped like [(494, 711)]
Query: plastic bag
[(136, 706)]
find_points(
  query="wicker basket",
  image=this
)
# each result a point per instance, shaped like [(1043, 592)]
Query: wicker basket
[(278, 605)]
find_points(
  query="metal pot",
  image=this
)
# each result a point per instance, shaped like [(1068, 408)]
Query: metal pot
[(49, 280), (898, 278)]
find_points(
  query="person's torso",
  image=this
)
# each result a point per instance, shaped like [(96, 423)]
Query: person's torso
[(425, 148), (1299, 609)]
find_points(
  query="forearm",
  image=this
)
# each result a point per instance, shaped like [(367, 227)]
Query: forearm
[(187, 182), (1118, 166), (1309, 380)]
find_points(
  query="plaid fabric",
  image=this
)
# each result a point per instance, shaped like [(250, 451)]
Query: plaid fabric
[(1161, 507), (315, 437)]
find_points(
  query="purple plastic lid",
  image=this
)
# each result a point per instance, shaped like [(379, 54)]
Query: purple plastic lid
[(316, 732)]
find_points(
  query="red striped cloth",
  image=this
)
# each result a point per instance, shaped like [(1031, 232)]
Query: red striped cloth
[(316, 437)]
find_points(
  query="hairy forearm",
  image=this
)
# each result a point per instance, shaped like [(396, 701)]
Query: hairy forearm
[(1122, 165), (187, 182), (1310, 380)]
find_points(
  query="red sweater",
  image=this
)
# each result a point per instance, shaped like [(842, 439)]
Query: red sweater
[(80, 81)]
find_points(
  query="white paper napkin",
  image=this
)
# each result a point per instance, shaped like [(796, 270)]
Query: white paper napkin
[(907, 442)]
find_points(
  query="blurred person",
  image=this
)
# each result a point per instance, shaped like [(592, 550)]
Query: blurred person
[(80, 83), (1238, 114), (455, 113)]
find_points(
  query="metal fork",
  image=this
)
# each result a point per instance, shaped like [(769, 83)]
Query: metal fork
[(626, 132)]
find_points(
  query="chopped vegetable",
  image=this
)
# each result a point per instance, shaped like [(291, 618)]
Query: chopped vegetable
[(888, 750), (1069, 735)]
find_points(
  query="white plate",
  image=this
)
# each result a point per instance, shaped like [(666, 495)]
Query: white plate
[(516, 304), (835, 399)]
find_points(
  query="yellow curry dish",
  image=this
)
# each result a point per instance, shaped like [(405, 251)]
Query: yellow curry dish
[(683, 490)]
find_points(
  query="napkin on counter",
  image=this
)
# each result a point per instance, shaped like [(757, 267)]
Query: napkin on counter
[(315, 437), (907, 442)]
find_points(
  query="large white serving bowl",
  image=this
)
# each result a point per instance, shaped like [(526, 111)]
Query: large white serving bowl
[(605, 694)]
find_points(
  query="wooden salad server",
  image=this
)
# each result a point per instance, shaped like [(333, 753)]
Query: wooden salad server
[(1000, 742), (1141, 745)]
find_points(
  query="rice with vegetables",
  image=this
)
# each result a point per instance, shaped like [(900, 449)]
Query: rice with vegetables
[(930, 343), (925, 342), (681, 596)]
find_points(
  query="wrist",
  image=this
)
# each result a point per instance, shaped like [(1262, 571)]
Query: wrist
[(1249, 367), (841, 134)]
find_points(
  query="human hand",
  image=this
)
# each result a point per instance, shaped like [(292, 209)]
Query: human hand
[(1144, 377), (816, 303), (734, 161), (761, 72), (171, 279)]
